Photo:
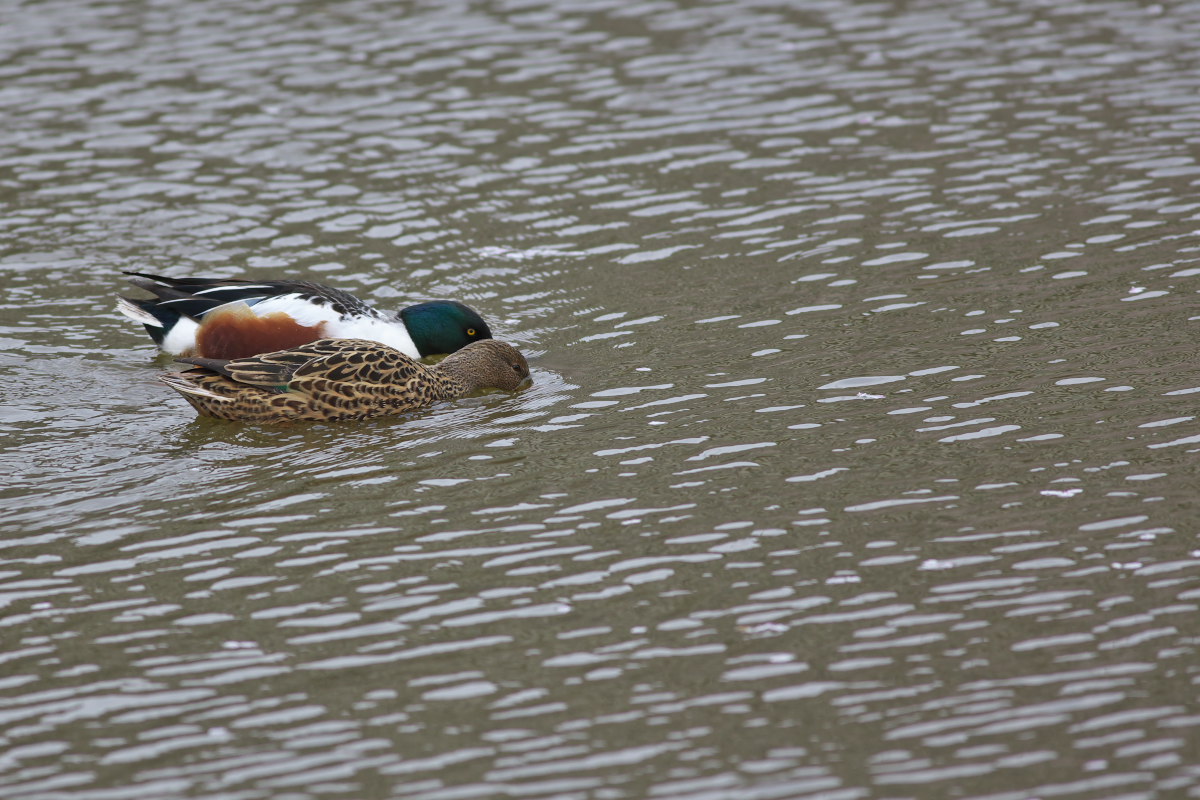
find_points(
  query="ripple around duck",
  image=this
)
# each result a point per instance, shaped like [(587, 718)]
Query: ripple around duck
[(857, 459)]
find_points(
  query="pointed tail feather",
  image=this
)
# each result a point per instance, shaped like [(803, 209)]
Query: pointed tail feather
[(180, 382), (158, 320), (139, 311)]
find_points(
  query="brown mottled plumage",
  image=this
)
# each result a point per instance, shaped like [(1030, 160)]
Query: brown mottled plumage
[(335, 379)]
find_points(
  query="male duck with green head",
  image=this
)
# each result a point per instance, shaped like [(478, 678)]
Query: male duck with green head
[(225, 318)]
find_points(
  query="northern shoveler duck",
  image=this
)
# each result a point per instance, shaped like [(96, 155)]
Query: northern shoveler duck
[(338, 379), (226, 318)]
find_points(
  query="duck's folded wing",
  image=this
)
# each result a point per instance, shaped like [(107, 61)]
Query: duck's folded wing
[(195, 297), (267, 370), (359, 362), (345, 362)]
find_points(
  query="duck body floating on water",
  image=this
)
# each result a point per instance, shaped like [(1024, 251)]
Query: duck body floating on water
[(225, 318), (341, 379)]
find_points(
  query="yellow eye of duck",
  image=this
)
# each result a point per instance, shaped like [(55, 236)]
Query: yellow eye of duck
[(470, 331)]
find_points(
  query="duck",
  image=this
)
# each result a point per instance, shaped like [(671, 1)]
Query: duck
[(341, 379), (225, 318)]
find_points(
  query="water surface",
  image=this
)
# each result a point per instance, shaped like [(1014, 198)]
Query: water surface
[(861, 457)]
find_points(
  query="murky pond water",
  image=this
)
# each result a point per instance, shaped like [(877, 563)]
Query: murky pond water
[(861, 458)]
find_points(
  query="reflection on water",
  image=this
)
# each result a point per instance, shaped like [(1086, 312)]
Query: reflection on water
[(859, 460)]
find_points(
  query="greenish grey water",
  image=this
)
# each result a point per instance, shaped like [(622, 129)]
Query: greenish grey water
[(860, 460)]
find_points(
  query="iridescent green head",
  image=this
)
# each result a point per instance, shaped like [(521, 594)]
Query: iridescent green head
[(443, 326)]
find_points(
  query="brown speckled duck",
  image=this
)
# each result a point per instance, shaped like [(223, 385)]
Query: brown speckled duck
[(338, 379)]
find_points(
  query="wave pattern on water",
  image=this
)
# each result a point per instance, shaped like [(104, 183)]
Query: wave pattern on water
[(860, 456)]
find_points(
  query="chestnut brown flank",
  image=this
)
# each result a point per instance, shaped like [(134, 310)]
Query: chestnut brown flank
[(236, 331)]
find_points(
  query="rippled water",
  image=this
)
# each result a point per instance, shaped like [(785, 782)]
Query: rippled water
[(861, 459)]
